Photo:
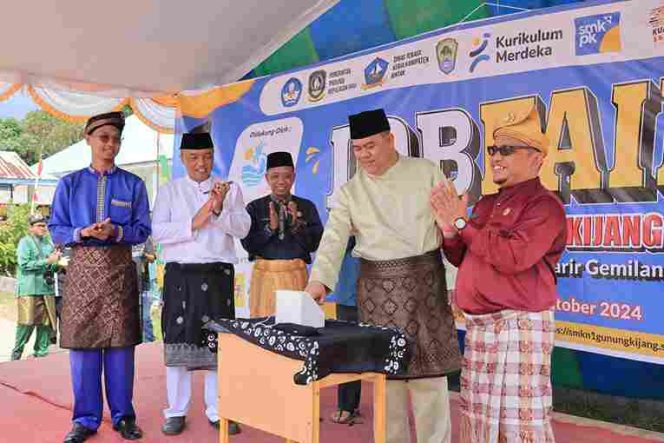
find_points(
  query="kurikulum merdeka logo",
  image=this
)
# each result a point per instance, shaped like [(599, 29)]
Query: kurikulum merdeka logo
[(317, 84), (598, 34), (291, 92), (374, 73), (446, 50), (477, 53), (657, 24)]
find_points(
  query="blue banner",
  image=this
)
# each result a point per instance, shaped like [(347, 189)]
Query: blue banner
[(598, 88)]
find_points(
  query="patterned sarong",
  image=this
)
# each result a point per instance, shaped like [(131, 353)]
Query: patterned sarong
[(269, 275), (194, 294), (410, 294), (36, 310), (100, 308), (506, 378)]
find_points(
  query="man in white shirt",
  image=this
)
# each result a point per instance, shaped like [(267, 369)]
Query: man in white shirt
[(195, 219)]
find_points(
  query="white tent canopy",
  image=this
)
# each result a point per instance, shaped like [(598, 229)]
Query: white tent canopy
[(146, 46), (140, 144), (85, 58)]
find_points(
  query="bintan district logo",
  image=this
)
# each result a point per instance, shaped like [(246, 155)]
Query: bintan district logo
[(598, 34), (374, 73), (291, 92), (317, 83), (657, 24), (478, 54), (446, 50)]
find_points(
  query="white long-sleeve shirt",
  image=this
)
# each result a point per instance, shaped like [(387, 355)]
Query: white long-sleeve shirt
[(176, 205)]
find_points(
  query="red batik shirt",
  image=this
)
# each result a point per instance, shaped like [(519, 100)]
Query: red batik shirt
[(508, 251)]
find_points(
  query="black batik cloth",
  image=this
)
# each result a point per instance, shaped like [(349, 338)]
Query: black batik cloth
[(339, 347)]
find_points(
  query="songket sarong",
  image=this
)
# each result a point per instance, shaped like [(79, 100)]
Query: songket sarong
[(101, 308), (410, 294), (36, 310), (194, 294), (269, 275), (506, 378)]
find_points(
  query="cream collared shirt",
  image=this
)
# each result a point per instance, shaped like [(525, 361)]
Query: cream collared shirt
[(390, 214)]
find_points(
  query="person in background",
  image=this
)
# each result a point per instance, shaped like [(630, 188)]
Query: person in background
[(60, 277), (348, 394), (143, 255), (37, 261), (285, 231)]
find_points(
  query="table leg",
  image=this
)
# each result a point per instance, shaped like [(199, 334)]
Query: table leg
[(379, 407), (224, 437), (315, 416)]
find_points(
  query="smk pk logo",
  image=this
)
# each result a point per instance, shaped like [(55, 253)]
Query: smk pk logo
[(598, 34)]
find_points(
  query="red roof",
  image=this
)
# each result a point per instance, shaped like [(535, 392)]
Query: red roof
[(12, 166)]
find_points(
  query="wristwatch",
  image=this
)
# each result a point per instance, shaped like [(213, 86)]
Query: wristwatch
[(460, 223)]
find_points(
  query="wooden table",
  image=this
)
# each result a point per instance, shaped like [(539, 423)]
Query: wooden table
[(256, 388)]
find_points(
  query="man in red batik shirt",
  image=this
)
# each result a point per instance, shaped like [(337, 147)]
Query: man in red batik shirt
[(506, 252)]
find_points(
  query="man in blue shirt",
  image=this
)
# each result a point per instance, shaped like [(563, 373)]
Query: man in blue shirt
[(101, 211), (348, 394)]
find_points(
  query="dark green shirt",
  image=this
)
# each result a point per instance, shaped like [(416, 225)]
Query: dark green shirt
[(32, 253)]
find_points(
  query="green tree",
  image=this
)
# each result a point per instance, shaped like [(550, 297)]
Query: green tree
[(10, 135), (11, 231), (41, 132)]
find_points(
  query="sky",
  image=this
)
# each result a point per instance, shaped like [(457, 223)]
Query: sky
[(17, 106)]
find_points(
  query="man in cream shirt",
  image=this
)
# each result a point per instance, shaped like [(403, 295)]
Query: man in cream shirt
[(402, 277)]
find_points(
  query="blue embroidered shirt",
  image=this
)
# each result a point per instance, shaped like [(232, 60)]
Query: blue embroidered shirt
[(85, 197)]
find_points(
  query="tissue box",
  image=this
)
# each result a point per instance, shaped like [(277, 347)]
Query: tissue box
[(298, 307)]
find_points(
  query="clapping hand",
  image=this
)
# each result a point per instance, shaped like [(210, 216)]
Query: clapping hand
[(274, 217), (100, 230), (447, 206), (295, 216), (202, 217), (218, 194)]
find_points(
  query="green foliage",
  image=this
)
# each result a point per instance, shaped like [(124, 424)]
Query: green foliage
[(11, 231), (38, 132)]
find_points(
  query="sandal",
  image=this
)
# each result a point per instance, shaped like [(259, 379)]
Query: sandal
[(346, 418)]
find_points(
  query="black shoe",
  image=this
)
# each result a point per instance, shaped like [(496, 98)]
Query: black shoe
[(173, 426), (128, 429), (78, 434), (233, 427)]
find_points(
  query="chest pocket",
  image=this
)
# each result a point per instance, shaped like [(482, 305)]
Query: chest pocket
[(120, 211), (504, 218)]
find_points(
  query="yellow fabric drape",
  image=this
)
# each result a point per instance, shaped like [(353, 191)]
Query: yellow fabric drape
[(268, 276)]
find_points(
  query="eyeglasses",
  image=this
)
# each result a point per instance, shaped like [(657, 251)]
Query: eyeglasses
[(109, 138), (39, 225), (506, 151)]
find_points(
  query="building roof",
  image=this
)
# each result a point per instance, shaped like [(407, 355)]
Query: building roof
[(14, 171), (140, 144), (12, 166)]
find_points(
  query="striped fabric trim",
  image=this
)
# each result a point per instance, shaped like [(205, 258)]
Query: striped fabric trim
[(101, 193)]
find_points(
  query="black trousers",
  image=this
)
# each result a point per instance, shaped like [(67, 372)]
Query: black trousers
[(348, 394)]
